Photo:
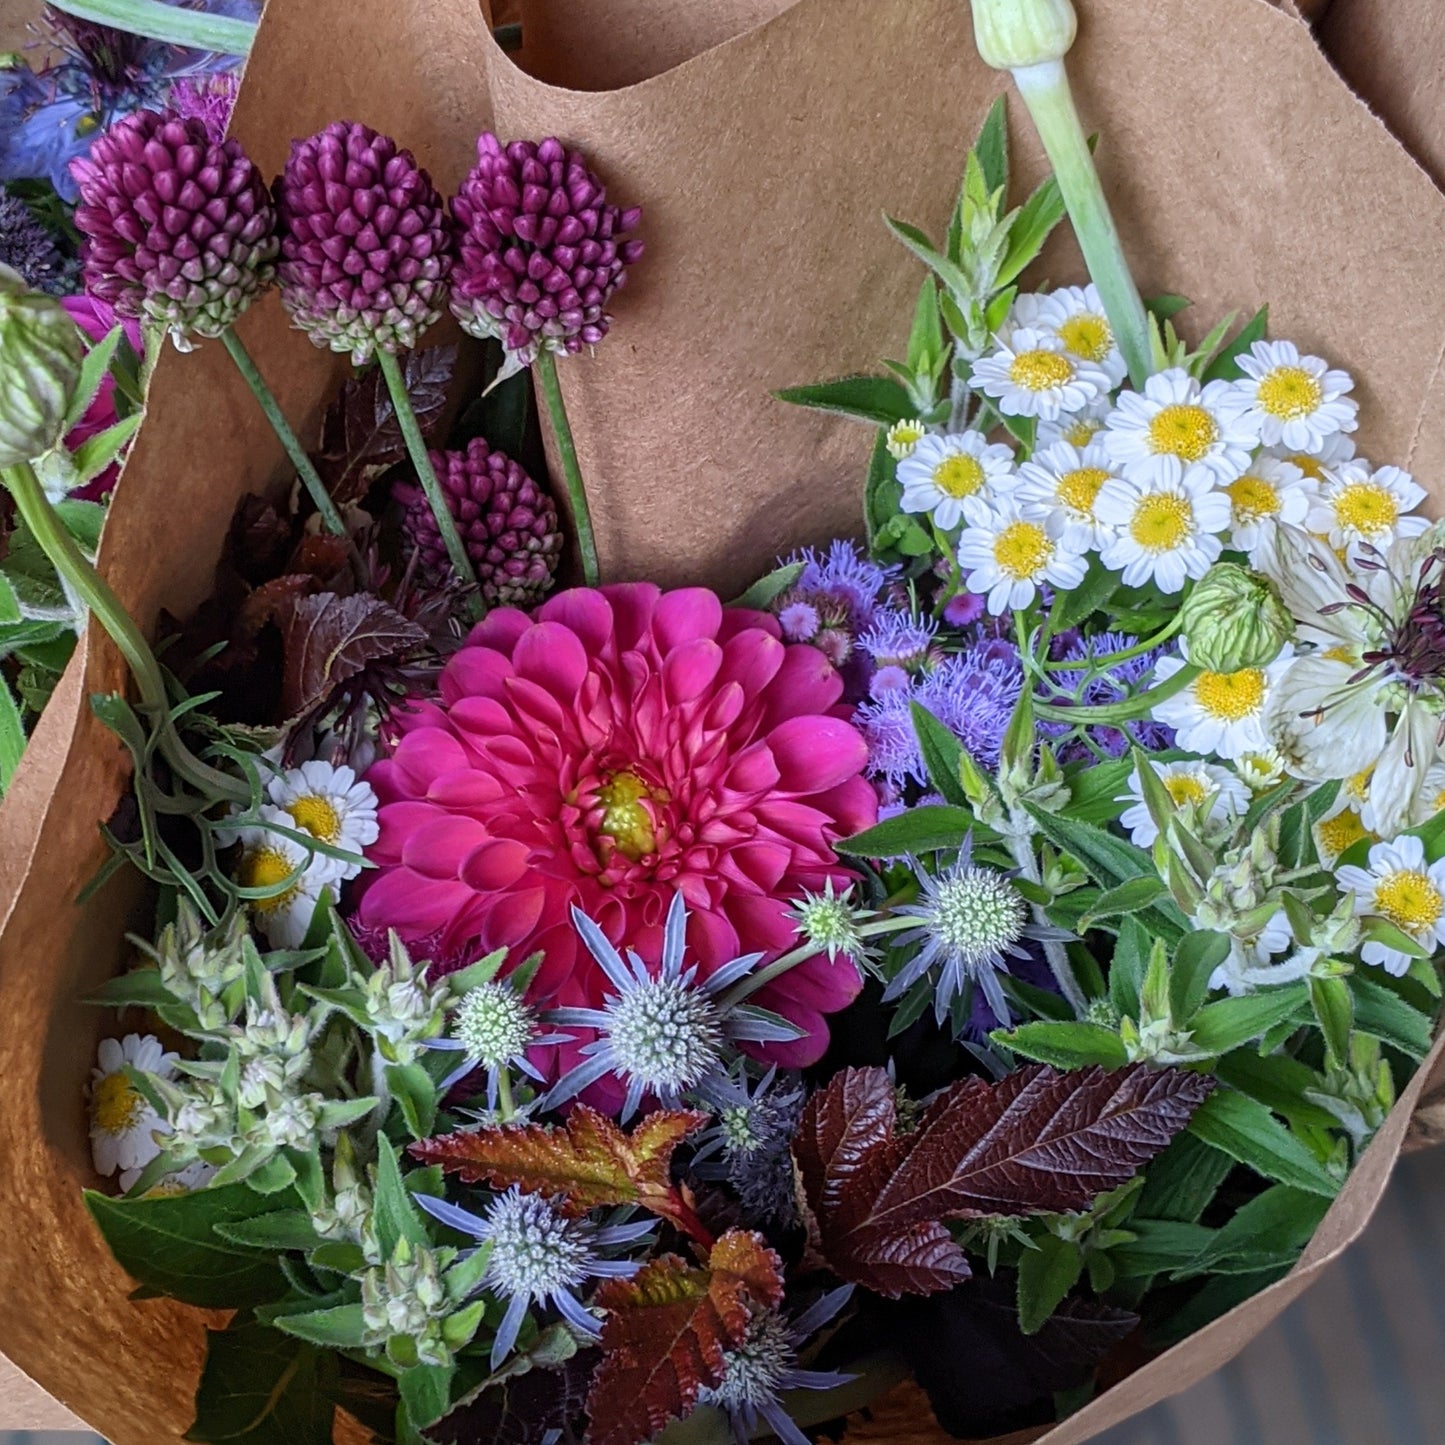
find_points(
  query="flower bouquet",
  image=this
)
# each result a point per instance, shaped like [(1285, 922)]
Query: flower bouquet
[(1006, 928)]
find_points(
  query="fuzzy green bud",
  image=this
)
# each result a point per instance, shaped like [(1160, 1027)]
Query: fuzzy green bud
[(40, 358), (1012, 34), (1234, 619)]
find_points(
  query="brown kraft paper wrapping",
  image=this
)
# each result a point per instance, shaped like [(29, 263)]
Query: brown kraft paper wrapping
[(764, 139)]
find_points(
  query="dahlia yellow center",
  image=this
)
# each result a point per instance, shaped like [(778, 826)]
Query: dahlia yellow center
[(1409, 900), (1289, 392), (1339, 834), (318, 816), (1367, 509), (1079, 490), (959, 475), (1186, 788), (1022, 550), (267, 868), (1087, 335), (115, 1104), (1252, 498), (1040, 370), (1161, 522), (1081, 432), (624, 818), (1183, 431), (1231, 696)]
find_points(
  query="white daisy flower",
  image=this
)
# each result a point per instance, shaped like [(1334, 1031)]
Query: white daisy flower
[(903, 437), (1333, 452), (1059, 485), (1271, 491), (1343, 825), (1432, 796), (1076, 316), (331, 804), (122, 1123), (1191, 783), (1165, 529), (1008, 556), (269, 858), (1251, 961), (1078, 429), (1402, 888), (1174, 420), (1292, 400), (1033, 375), (1357, 505), (1260, 769), (943, 470), (1023, 315), (1220, 712)]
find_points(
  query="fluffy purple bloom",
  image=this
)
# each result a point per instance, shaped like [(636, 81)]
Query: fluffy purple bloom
[(897, 638), (963, 609), (842, 583), (799, 621), (974, 694), (886, 723)]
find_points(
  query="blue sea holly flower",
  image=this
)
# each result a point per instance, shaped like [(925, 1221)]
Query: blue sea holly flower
[(663, 1031), (540, 1256), (492, 1028), (750, 1144)]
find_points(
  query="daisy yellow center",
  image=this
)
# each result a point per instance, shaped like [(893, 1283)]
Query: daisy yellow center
[(1342, 832), (115, 1104), (1087, 335), (624, 818), (1183, 431), (1230, 696), (1080, 433), (1079, 489), (1185, 789), (266, 868), (1252, 498), (1310, 466), (1289, 392), (1439, 803), (1161, 522), (1022, 550), (959, 475), (1409, 900), (1040, 370), (318, 816), (1367, 509)]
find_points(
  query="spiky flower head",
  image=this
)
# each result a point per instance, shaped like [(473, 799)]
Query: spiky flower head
[(540, 250), (365, 249), (508, 524), (829, 922), (493, 1024), (40, 357), (179, 228)]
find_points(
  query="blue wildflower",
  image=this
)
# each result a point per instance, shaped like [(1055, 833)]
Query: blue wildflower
[(750, 1144), (974, 694)]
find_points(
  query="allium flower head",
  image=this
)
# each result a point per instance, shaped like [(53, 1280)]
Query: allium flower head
[(178, 228), (540, 250), (620, 747), (365, 246)]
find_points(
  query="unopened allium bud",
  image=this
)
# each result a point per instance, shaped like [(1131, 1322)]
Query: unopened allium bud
[(1012, 34), (40, 358), (1234, 619)]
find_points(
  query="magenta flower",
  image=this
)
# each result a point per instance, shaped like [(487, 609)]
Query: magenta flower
[(97, 319), (622, 746)]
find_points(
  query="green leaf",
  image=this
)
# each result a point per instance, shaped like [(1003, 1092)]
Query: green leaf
[(942, 754), (922, 247), (1046, 1274), (1334, 1009), (92, 373), (395, 1216), (416, 1092), (1182, 1181), (141, 988), (1130, 897), (12, 735), (1247, 1131), (1158, 1246), (1225, 366), (339, 1328), (282, 1231), (1033, 225), (1065, 1045), (875, 399), (768, 589), (171, 1245), (426, 1392), (1166, 307), (1384, 1015), (96, 453), (919, 830), (1268, 1231), (1095, 791), (881, 492), (1197, 956), (1279, 1083), (1126, 972), (174, 24), (1230, 1023), (925, 337), (991, 148)]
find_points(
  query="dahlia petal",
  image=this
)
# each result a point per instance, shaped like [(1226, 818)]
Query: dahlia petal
[(689, 670), (818, 983), (684, 615), (494, 865), (633, 606), (475, 672), (396, 822), (552, 656), (805, 683), (423, 756), (411, 904), (758, 865), (437, 848), (816, 753), (500, 629), (712, 939), (753, 771), (752, 660), (587, 613)]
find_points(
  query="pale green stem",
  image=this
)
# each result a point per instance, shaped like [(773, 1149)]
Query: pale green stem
[(1117, 712), (1055, 953), (546, 369), (294, 450), (506, 1104), (764, 976), (1045, 89), (1138, 650)]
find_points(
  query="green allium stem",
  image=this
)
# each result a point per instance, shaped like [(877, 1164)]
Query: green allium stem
[(425, 472), (546, 369), (294, 450), (1045, 90)]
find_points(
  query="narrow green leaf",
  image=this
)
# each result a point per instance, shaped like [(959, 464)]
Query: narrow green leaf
[(1225, 366), (1334, 1009), (881, 492), (1182, 1181), (1158, 1246), (1167, 306), (1096, 790), (991, 147), (1384, 1015), (1264, 1233), (395, 1215), (339, 1328), (1046, 1274), (1126, 972), (12, 735), (416, 1092), (923, 249), (1033, 225), (919, 830), (1230, 1023), (1128, 897), (770, 588), (286, 1229), (1198, 955), (1065, 1045), (874, 399), (1251, 1135), (942, 755), (925, 336), (1098, 586), (1279, 1083), (156, 20), (426, 1392)]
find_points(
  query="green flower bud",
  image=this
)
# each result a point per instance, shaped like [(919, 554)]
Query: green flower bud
[(40, 356), (1233, 619), (1012, 34)]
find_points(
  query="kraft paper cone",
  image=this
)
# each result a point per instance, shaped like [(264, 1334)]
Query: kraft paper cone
[(1244, 171)]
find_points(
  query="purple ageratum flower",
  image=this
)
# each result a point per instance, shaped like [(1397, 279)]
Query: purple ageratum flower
[(1108, 684), (974, 693), (964, 609), (540, 250), (897, 638), (179, 229), (894, 754), (365, 244)]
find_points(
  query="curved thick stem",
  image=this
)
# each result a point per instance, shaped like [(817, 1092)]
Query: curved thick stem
[(546, 369)]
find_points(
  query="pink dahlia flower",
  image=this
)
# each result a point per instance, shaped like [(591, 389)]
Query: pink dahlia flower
[(97, 319), (617, 747)]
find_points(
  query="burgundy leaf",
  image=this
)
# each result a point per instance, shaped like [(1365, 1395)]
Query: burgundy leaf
[(523, 1410)]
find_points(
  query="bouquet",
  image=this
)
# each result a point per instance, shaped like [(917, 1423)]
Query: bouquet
[(610, 1009)]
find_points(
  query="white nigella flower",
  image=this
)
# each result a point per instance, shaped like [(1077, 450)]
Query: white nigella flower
[(1032, 374), (539, 1256), (1251, 961), (1078, 429), (1292, 400), (1008, 558), (903, 437), (1190, 783), (332, 805), (268, 859), (1060, 484), (1076, 316), (1220, 712), (492, 1028), (122, 1123), (1401, 887), (943, 470), (663, 1031), (1358, 505), (1176, 421), (1165, 530), (1271, 491)]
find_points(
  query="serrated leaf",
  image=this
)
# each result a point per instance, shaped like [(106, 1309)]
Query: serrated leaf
[(1245, 1130), (534, 1400), (919, 830), (874, 399), (394, 1215), (1046, 1274), (1230, 1023), (338, 1328), (1066, 1044), (1384, 1015), (1129, 897), (942, 754)]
